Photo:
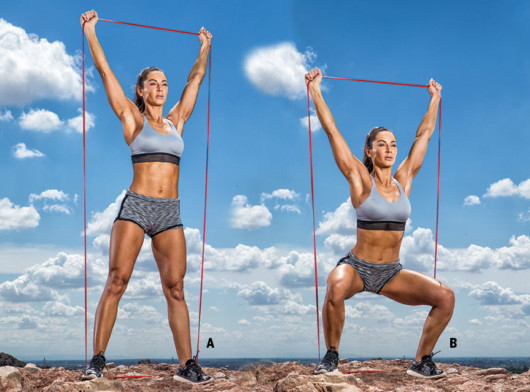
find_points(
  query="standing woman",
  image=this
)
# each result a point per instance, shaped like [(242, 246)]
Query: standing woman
[(151, 205), (382, 207)]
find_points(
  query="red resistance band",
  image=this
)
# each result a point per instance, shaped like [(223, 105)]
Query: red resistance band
[(135, 376), (84, 178), (312, 186), (363, 371)]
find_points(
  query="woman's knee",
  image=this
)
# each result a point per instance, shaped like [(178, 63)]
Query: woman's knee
[(336, 290), (446, 300), (174, 291), (116, 285)]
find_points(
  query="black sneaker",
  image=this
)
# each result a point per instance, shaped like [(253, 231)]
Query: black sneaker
[(192, 373), (328, 363), (425, 368), (95, 368)]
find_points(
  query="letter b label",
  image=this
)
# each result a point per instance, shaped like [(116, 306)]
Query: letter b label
[(452, 342)]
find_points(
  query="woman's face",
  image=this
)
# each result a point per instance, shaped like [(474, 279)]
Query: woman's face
[(384, 149), (154, 91)]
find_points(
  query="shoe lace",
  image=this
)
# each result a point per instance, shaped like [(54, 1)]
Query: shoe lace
[(97, 362), (329, 357), (194, 367)]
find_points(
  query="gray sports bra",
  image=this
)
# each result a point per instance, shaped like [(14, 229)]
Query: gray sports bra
[(152, 146), (377, 213)]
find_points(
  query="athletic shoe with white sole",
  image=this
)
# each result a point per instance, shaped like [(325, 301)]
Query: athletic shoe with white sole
[(425, 368), (328, 363), (95, 368), (192, 373)]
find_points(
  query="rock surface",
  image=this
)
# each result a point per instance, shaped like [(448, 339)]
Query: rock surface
[(283, 377), (9, 360)]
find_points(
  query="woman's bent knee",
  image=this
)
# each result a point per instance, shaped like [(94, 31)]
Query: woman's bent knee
[(336, 292), (447, 300)]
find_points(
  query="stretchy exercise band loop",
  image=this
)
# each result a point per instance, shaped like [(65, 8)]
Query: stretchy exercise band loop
[(84, 177), (314, 231), (312, 187), (205, 199)]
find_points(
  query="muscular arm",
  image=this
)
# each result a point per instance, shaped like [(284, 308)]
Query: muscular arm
[(181, 112), (126, 111), (411, 165), (353, 169)]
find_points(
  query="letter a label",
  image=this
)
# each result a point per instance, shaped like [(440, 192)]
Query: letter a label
[(210, 343)]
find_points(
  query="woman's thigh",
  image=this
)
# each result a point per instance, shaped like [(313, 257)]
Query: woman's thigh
[(414, 288)]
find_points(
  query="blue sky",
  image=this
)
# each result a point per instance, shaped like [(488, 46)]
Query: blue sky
[(259, 286)]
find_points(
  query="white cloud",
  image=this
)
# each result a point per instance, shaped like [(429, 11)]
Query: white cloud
[(76, 123), (288, 208), (259, 293), (516, 256), (13, 217), (21, 152), (491, 293), (471, 200), (280, 195), (41, 282), (33, 68), (60, 309), (279, 69), (101, 222), (415, 319), (524, 216), (40, 120), (376, 312), (6, 116), (297, 269), (244, 322), (315, 122), (475, 321), (286, 194), (341, 221), (340, 244), (136, 311), (246, 216), (506, 187), (54, 195)]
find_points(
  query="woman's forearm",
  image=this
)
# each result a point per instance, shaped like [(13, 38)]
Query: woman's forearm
[(98, 56), (428, 123), (323, 113), (199, 68)]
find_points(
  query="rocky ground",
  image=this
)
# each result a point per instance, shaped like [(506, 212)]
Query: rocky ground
[(284, 377)]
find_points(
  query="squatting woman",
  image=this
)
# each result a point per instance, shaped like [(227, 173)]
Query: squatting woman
[(381, 203)]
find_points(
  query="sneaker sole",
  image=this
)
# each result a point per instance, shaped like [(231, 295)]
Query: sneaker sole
[(89, 377), (413, 373), (323, 371), (182, 379)]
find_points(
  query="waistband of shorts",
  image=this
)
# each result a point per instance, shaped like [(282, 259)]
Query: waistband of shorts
[(152, 199), (371, 263)]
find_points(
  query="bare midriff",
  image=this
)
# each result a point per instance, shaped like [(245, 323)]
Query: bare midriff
[(156, 179), (378, 246)]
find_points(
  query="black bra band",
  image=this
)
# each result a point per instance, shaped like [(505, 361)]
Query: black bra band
[(381, 225), (156, 157)]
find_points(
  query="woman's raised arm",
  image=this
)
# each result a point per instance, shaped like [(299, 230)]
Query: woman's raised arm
[(411, 165), (353, 169), (126, 111), (181, 112)]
